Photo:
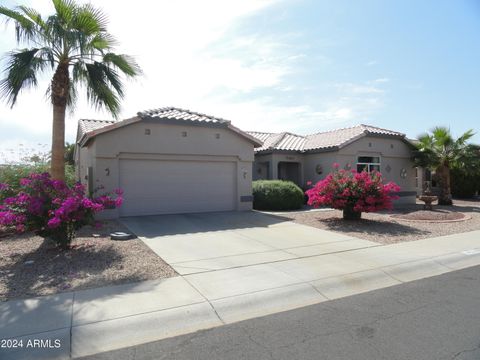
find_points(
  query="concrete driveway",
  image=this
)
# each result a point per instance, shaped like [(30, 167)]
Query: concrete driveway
[(233, 267), (194, 243)]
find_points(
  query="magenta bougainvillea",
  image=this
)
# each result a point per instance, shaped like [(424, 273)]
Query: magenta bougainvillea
[(353, 192), (52, 209)]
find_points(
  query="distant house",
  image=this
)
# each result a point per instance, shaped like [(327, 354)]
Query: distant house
[(168, 160), (300, 159)]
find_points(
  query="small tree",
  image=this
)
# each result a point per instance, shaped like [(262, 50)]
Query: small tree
[(439, 151), (353, 192)]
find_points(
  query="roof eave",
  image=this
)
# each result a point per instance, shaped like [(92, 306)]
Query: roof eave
[(226, 124), (256, 142), (321, 150), (91, 134), (372, 134), (278, 151)]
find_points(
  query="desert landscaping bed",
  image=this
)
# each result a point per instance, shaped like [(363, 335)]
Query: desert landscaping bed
[(436, 215), (388, 228), (31, 266)]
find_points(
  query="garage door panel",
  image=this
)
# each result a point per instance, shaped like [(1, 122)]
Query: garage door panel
[(166, 187)]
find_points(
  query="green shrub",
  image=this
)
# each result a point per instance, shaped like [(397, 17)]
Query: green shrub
[(70, 178), (11, 174), (464, 184), (277, 195)]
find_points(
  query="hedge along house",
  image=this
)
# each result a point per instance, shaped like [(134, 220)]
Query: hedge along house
[(300, 159), (167, 161)]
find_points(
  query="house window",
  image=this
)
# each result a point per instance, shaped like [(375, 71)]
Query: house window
[(368, 163)]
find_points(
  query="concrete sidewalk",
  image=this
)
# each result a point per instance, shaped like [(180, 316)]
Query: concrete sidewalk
[(92, 321)]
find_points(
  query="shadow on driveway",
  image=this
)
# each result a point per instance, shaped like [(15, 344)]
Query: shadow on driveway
[(163, 225)]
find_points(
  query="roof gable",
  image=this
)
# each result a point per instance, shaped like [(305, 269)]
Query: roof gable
[(88, 129), (87, 125), (322, 141)]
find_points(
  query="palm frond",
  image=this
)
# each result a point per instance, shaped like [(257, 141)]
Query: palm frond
[(104, 88), (100, 42), (103, 41), (124, 63), (33, 15), (442, 136), (425, 157), (65, 10), (424, 141), (440, 148), (24, 28), (90, 20), (72, 98), (75, 35), (465, 136), (22, 68)]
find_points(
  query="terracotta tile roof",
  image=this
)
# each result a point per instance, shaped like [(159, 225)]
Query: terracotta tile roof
[(323, 140), (88, 129), (291, 142), (87, 125), (270, 140), (174, 113)]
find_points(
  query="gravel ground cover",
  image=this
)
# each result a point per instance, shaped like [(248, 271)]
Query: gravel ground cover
[(387, 229), (31, 266), (440, 215)]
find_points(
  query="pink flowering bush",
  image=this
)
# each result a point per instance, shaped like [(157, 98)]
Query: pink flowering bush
[(353, 192), (52, 209)]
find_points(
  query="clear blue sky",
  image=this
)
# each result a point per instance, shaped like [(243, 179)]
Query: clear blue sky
[(287, 65), (425, 56)]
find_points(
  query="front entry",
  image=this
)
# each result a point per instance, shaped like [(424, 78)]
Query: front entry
[(289, 171)]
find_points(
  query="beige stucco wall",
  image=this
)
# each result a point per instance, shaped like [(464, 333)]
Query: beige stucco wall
[(394, 153), (85, 158), (166, 142), (325, 160)]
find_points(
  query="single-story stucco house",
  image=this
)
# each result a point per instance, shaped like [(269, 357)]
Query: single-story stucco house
[(171, 160), (167, 160), (301, 159)]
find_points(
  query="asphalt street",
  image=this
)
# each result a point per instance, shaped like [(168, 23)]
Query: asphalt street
[(435, 318)]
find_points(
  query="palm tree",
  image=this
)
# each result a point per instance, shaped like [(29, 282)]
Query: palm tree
[(74, 44), (439, 151)]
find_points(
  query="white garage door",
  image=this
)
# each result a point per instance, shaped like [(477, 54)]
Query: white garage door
[(172, 187)]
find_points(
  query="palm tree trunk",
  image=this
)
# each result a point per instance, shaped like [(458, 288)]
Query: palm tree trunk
[(445, 197), (60, 84), (58, 143)]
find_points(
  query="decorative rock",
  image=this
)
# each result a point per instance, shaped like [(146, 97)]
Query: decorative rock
[(28, 262)]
